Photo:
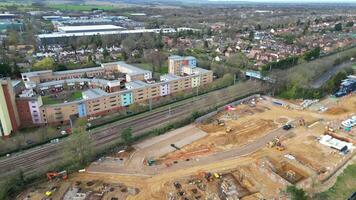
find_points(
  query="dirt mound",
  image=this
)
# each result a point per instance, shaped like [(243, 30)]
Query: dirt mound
[(336, 111)]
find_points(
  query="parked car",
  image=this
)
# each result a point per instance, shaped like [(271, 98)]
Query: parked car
[(287, 127)]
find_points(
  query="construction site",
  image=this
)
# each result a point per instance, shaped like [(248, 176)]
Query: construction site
[(250, 149)]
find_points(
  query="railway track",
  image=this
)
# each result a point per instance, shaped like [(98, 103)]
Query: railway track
[(35, 160)]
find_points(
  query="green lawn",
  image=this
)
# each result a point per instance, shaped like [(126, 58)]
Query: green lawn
[(48, 100), (81, 7), (345, 185)]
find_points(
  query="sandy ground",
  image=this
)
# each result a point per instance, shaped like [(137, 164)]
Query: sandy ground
[(240, 154)]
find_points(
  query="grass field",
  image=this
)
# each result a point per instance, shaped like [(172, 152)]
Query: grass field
[(81, 7), (345, 185), (48, 100)]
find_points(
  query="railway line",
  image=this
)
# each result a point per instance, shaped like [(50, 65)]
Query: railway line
[(37, 159)]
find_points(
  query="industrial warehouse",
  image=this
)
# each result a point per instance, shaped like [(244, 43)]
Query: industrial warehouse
[(54, 97)]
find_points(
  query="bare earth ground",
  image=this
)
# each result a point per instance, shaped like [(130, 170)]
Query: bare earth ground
[(241, 155)]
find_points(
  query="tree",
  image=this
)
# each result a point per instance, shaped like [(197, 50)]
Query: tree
[(78, 149), (13, 38), (45, 63), (106, 54), (296, 194), (126, 135), (350, 24), (61, 67), (5, 69), (251, 35), (338, 27), (312, 54), (238, 60)]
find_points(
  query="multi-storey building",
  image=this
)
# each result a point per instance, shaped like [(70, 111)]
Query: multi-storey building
[(99, 95), (9, 117), (179, 65)]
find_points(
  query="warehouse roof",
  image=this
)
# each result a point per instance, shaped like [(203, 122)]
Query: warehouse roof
[(83, 33), (89, 28)]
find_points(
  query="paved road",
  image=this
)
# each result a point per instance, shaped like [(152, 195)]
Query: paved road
[(327, 75), (39, 158)]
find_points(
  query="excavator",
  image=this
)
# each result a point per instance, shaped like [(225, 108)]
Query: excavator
[(54, 175)]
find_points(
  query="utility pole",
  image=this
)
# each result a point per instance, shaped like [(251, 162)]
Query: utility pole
[(150, 103)]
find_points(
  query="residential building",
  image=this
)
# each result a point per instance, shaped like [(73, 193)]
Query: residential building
[(9, 117), (101, 96)]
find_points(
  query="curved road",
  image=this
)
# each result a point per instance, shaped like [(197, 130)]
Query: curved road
[(135, 166)]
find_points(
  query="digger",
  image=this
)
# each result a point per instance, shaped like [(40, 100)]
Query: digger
[(276, 142), (228, 129), (55, 175)]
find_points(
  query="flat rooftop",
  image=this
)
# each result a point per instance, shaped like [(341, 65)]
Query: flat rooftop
[(89, 28), (130, 69), (93, 93), (198, 70), (77, 80), (176, 57), (169, 77), (78, 71), (36, 73), (135, 84), (83, 33)]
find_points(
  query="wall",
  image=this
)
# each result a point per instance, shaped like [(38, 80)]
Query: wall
[(126, 99), (24, 112), (195, 81), (164, 89), (34, 106), (11, 104), (6, 127)]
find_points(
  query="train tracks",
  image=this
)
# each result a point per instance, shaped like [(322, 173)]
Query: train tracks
[(37, 159)]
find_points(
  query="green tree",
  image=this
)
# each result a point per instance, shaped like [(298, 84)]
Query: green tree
[(106, 54), (126, 135), (338, 27), (350, 24), (61, 67), (45, 63), (5, 69), (251, 35), (78, 149), (296, 194)]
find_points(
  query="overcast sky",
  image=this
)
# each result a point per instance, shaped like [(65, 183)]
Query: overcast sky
[(296, 1)]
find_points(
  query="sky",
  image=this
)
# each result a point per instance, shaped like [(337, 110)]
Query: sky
[(295, 1)]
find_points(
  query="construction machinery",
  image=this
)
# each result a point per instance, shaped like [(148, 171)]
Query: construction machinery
[(57, 175), (228, 129), (174, 146), (302, 122), (328, 128), (219, 122), (276, 142)]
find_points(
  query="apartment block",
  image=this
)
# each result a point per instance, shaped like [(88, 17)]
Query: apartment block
[(102, 96), (179, 65), (9, 117)]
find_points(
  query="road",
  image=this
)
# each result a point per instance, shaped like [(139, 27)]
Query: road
[(327, 75), (135, 165), (38, 159)]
